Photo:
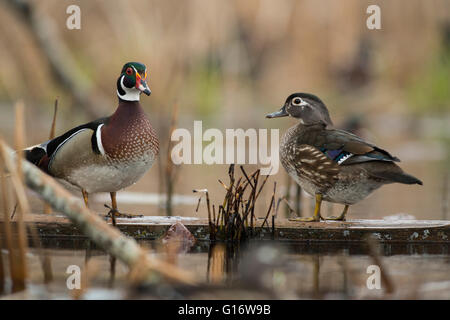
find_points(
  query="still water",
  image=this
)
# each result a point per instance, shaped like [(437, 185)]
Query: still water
[(255, 270)]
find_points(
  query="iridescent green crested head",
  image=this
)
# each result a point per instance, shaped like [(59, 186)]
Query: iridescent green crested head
[(132, 81)]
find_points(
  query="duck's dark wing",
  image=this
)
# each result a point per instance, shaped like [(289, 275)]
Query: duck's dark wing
[(54, 144), (339, 149), (346, 148), (41, 154)]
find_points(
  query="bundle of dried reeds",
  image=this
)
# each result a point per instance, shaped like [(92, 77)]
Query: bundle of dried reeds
[(235, 219)]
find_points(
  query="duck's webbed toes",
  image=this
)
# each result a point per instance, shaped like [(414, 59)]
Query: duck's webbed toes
[(336, 218), (306, 219), (117, 214), (340, 217)]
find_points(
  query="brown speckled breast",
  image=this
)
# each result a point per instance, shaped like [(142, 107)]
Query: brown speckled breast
[(306, 164), (128, 134)]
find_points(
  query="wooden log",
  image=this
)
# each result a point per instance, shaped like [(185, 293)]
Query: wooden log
[(385, 231)]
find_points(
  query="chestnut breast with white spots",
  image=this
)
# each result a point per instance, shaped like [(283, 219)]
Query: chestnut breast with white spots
[(133, 142), (131, 146)]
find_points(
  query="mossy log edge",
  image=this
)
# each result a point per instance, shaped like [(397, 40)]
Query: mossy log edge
[(286, 231)]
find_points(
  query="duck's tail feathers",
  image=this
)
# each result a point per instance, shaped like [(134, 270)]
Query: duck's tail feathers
[(407, 179), (391, 173), (35, 154), (38, 156), (400, 177)]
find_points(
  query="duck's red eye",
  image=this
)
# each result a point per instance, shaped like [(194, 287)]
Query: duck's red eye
[(129, 71)]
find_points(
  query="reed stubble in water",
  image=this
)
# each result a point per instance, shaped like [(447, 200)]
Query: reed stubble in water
[(17, 242), (238, 207)]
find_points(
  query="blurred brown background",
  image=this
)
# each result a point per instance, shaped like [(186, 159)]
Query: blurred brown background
[(229, 63)]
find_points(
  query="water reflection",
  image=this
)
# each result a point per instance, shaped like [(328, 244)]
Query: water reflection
[(259, 269), (321, 270)]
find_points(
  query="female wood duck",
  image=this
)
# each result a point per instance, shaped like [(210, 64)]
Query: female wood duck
[(333, 165), (108, 154)]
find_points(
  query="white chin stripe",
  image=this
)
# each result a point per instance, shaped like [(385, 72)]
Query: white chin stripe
[(98, 135), (131, 94)]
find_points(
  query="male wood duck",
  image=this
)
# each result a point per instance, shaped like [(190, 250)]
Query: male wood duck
[(330, 164), (108, 154)]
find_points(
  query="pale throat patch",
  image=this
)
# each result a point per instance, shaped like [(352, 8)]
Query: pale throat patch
[(131, 94)]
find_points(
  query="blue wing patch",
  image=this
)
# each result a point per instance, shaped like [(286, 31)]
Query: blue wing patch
[(338, 156)]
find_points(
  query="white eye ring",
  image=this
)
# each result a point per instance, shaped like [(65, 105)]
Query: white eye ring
[(297, 102)]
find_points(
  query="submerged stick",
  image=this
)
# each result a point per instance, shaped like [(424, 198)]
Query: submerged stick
[(90, 224)]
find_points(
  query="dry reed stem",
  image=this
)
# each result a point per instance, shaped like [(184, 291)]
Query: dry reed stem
[(198, 204), (216, 263), (278, 206), (17, 178), (24, 208), (298, 197), (48, 208), (223, 184), (6, 224), (210, 221), (20, 132), (264, 182), (2, 270), (170, 170), (246, 176), (252, 199), (93, 226), (53, 127), (214, 214), (271, 206), (288, 209)]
